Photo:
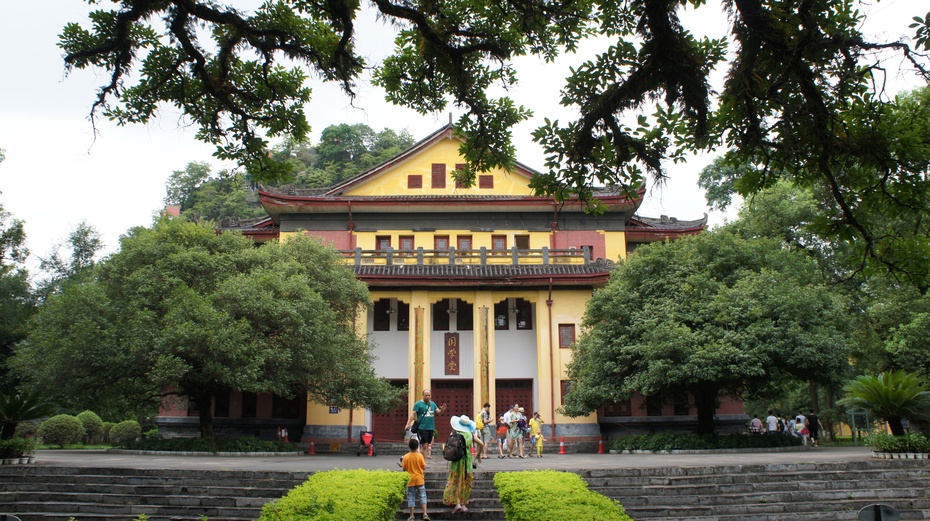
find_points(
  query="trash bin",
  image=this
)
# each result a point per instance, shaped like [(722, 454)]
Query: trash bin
[(879, 512)]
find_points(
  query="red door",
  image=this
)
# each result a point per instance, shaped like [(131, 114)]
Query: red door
[(457, 396), (510, 392), (390, 426)]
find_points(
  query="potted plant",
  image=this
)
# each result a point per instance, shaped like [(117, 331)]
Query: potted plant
[(29, 450), (884, 445), (6, 451)]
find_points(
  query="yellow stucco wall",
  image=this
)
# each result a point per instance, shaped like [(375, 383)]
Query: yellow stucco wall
[(393, 181)]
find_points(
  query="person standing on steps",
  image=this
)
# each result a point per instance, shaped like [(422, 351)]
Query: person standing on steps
[(488, 430), (536, 437), (462, 472), (502, 430), (415, 465), (423, 417)]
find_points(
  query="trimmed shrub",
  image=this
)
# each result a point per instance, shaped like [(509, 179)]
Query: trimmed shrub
[(93, 426), (106, 431), (27, 429), (336, 495), (528, 496), (125, 432), (61, 430)]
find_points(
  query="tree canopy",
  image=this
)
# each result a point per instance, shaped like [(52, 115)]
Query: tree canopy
[(17, 301), (184, 309), (804, 94), (709, 316)]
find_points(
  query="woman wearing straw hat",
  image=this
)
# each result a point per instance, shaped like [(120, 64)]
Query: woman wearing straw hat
[(461, 472)]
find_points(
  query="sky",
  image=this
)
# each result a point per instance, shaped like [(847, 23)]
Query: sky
[(57, 174)]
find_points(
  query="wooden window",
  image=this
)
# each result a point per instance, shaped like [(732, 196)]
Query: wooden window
[(566, 335), (499, 242), (221, 404), (406, 242), (282, 407), (463, 242), (249, 405), (524, 314), (623, 408), (522, 242), (438, 176), (414, 181), (403, 316), (441, 242), (441, 315), (382, 315), (682, 407), (501, 316), (459, 168), (654, 405), (564, 390), (464, 316), (382, 242), (486, 181)]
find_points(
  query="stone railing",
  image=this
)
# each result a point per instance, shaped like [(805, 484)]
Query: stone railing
[(479, 257)]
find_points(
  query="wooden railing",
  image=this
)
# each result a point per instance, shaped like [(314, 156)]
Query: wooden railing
[(479, 257)]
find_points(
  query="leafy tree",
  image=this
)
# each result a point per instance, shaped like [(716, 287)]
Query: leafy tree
[(203, 196), (709, 316), (182, 183), (17, 301), (182, 309), (891, 396), (873, 214), (803, 96), (85, 242)]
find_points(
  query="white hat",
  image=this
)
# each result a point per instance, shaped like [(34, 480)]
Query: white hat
[(463, 424)]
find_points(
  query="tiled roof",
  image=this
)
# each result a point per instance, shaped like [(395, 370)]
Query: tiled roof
[(666, 222)]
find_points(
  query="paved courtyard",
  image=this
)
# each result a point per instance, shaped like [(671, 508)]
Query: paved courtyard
[(570, 462)]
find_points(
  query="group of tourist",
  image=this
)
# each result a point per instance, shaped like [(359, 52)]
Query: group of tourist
[(800, 426), (516, 431), (513, 427)]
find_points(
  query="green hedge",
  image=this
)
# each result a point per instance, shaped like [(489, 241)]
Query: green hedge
[(244, 444), (911, 442), (670, 441), (338, 495), (553, 496)]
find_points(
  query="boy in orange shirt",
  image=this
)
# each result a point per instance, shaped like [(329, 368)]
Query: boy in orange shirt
[(415, 465)]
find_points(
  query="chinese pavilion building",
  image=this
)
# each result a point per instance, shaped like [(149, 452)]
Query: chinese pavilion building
[(478, 293)]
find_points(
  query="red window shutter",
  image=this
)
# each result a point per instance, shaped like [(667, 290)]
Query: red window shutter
[(459, 167), (414, 181), (439, 175), (486, 181)]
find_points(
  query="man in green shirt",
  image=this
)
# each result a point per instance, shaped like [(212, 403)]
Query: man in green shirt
[(423, 414)]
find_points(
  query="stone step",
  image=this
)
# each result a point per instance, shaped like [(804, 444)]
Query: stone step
[(841, 509)]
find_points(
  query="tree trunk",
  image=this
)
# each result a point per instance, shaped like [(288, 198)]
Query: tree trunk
[(8, 429), (205, 407), (705, 401), (897, 428), (815, 399)]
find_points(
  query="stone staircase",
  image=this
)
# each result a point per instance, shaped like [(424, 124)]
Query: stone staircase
[(39, 493), (772, 492)]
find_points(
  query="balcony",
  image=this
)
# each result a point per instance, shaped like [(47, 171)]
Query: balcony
[(479, 257)]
